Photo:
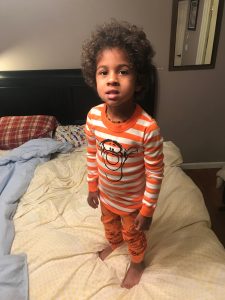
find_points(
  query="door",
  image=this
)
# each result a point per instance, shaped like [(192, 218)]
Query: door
[(180, 32)]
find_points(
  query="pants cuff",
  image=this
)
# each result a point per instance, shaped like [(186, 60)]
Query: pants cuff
[(138, 258)]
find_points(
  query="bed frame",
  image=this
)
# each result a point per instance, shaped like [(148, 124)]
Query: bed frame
[(62, 93)]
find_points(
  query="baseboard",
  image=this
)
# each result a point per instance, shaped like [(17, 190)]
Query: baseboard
[(203, 165)]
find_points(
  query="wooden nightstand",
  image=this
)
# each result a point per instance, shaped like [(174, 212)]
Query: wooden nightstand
[(205, 179)]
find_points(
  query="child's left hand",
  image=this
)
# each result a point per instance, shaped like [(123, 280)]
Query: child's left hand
[(142, 223)]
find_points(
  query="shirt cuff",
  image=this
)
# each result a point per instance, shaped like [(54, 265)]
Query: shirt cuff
[(147, 211), (93, 186)]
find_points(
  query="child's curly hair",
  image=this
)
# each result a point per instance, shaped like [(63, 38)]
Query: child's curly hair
[(124, 36)]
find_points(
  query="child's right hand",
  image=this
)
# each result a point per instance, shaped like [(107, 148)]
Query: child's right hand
[(93, 199)]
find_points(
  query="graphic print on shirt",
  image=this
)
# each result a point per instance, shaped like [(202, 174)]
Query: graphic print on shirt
[(115, 156)]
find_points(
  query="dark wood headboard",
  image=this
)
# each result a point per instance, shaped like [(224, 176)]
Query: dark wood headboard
[(62, 93)]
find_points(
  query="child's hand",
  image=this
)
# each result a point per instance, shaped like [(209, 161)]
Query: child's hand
[(142, 223), (93, 199)]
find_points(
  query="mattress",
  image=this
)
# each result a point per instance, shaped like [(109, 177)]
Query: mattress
[(61, 236)]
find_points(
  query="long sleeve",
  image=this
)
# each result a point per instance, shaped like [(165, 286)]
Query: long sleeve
[(92, 169), (124, 161), (154, 166)]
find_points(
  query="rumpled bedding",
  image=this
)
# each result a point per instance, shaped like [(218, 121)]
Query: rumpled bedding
[(61, 236), (16, 171)]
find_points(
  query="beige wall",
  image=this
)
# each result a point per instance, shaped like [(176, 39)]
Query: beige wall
[(48, 34)]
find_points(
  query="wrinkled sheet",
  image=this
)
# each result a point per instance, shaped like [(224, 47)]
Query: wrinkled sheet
[(16, 170), (61, 236)]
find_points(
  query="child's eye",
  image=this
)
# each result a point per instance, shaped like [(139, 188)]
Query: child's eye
[(124, 72), (103, 72)]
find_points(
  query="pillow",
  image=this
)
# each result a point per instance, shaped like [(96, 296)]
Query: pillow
[(172, 154), (73, 134), (16, 130)]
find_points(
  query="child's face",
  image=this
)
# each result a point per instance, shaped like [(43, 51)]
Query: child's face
[(115, 78)]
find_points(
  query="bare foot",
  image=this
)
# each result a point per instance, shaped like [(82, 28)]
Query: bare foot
[(105, 252), (133, 275)]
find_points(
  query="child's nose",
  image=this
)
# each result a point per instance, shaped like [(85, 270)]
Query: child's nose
[(112, 79)]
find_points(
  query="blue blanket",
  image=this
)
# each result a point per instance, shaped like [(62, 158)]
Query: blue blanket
[(16, 171)]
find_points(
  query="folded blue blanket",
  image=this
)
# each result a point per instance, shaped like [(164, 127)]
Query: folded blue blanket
[(16, 171)]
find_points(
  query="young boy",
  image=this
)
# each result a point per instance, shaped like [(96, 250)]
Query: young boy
[(124, 153)]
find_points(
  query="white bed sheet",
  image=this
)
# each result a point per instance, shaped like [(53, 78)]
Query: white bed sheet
[(61, 236)]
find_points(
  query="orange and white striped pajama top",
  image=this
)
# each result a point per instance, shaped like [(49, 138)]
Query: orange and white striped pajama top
[(124, 161)]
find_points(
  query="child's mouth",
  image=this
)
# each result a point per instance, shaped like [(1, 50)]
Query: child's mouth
[(112, 94)]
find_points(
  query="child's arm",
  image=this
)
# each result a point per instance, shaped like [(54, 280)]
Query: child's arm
[(153, 158), (92, 169)]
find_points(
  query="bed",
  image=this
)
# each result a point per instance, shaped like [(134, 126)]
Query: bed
[(57, 235)]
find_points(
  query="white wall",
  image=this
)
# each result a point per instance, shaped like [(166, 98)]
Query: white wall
[(48, 34)]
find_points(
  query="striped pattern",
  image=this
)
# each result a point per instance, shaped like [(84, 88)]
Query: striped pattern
[(124, 161)]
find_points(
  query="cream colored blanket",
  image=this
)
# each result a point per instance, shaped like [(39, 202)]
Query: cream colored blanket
[(61, 236)]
